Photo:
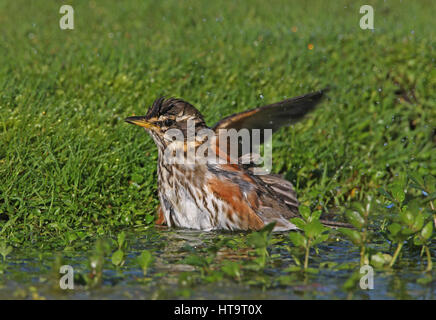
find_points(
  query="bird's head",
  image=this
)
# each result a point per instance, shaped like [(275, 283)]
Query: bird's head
[(166, 114)]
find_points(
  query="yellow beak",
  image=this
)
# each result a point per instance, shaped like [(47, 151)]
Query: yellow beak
[(140, 121)]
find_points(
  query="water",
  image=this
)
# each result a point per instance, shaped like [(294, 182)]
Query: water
[(30, 274)]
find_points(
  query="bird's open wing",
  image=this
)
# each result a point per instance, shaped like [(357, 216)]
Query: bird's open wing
[(272, 116)]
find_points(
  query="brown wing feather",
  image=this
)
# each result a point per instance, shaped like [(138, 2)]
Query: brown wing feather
[(283, 189), (272, 116)]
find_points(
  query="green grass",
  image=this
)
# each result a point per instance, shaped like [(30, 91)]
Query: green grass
[(70, 168)]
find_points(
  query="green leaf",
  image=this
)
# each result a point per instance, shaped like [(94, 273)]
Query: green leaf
[(304, 211), (314, 229), (195, 260), (315, 215), (355, 218), (398, 192), (425, 280), (385, 193), (418, 241), (379, 259), (137, 178), (117, 257), (407, 231), (414, 206), (430, 183), (430, 197), (320, 239), (298, 222), (416, 178), (353, 235), (268, 228), (297, 239), (121, 238), (145, 259), (232, 269), (358, 206), (407, 217), (419, 222), (5, 250), (394, 228), (427, 231)]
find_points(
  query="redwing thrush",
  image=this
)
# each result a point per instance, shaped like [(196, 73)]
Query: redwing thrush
[(211, 196)]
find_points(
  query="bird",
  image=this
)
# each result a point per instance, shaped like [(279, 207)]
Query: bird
[(210, 195)]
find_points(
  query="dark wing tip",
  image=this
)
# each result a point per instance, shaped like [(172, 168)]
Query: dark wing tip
[(282, 111)]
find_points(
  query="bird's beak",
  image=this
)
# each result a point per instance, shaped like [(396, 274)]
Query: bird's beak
[(140, 121)]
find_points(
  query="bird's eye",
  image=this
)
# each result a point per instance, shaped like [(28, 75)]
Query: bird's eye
[(168, 122)]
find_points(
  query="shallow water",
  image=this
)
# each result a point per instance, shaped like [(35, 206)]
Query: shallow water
[(29, 274)]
